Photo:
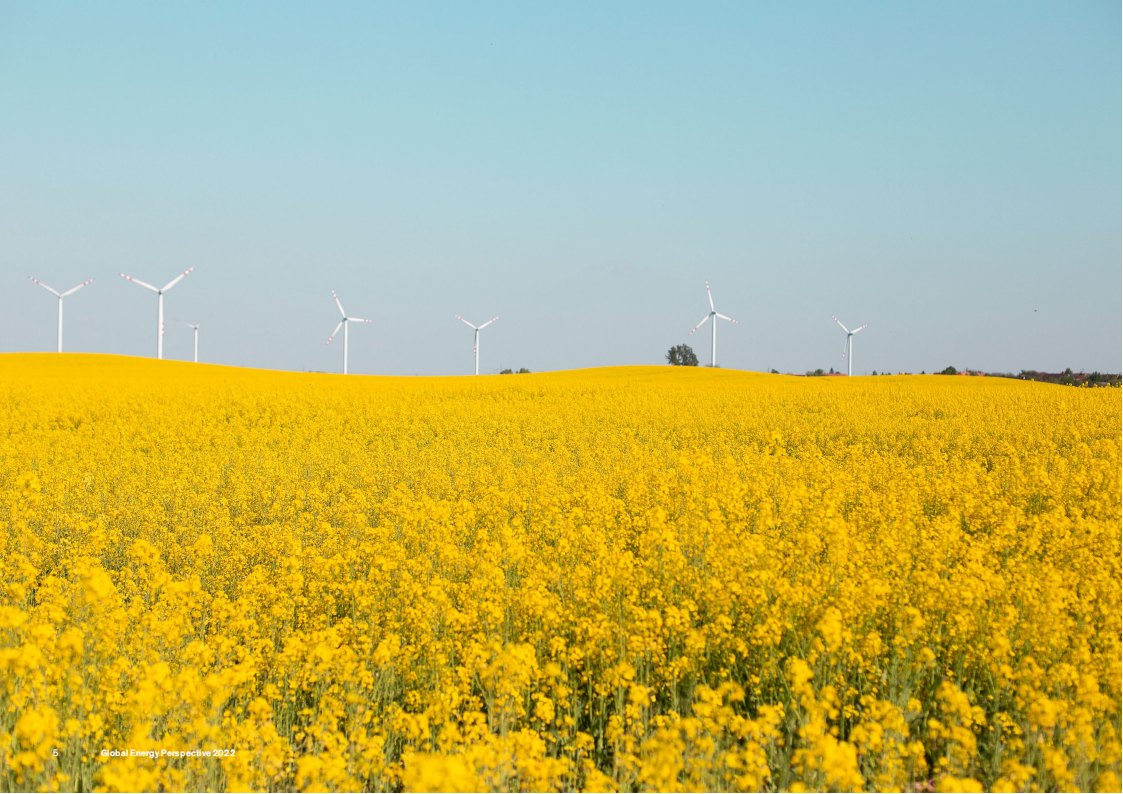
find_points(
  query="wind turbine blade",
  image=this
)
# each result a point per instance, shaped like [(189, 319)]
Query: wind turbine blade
[(840, 323), (138, 281), (175, 280), (845, 345), (75, 289), (489, 322), (336, 298), (341, 312), (461, 319), (856, 330), (189, 325), (336, 331), (358, 320), (722, 316), (44, 286), (699, 325), (708, 295)]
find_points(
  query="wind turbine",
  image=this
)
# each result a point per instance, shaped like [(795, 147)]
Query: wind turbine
[(849, 346), (713, 315), (60, 297), (343, 323), (196, 329), (160, 309), (476, 345)]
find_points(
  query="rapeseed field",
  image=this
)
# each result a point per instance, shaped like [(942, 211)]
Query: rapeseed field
[(641, 578)]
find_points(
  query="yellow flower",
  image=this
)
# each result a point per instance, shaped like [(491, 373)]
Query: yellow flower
[(619, 579)]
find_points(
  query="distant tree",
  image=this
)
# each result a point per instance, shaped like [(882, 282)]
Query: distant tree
[(523, 371), (682, 356), (950, 371), (815, 373), (774, 372), (922, 372), (874, 372), (504, 372)]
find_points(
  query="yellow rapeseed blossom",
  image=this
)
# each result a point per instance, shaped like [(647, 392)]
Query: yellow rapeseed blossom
[(642, 578)]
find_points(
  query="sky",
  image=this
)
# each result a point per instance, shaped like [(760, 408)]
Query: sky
[(947, 173)]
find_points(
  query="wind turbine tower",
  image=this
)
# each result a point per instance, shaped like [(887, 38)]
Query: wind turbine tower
[(476, 344), (60, 296), (160, 305), (713, 315), (343, 324), (195, 328), (849, 346)]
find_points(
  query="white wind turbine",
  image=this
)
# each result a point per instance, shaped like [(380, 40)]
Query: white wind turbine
[(195, 328), (343, 324), (60, 296), (713, 315), (160, 305), (849, 346), (476, 344)]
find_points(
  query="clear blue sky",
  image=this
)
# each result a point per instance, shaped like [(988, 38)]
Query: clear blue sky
[(939, 171)]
